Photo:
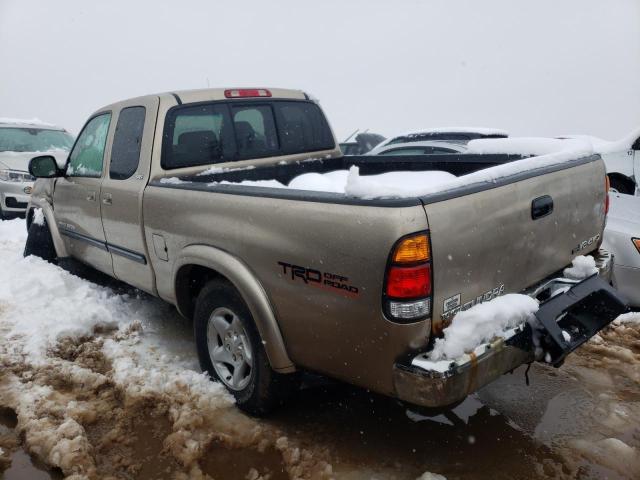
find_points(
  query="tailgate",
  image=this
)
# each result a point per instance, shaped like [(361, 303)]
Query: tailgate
[(486, 243)]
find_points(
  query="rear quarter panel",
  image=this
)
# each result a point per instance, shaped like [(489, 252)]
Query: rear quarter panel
[(327, 330)]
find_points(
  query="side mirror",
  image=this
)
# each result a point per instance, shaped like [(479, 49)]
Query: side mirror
[(44, 166)]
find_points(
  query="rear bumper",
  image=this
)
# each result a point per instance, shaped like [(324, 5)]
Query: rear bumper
[(581, 308)]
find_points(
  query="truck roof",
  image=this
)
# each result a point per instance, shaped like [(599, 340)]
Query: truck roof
[(188, 96), (213, 94)]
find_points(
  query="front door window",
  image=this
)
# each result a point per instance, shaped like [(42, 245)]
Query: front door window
[(87, 155)]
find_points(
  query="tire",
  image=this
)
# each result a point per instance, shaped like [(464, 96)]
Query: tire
[(231, 351), (622, 185), (40, 243)]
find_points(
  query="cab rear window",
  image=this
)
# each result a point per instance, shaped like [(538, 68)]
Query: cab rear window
[(219, 132)]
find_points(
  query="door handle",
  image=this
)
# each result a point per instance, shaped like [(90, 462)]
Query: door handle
[(541, 207), (107, 199), (91, 196)]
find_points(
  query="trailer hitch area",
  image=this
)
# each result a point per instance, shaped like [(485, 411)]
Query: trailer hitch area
[(571, 318)]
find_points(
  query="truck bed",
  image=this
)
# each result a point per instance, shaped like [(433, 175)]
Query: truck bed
[(457, 165)]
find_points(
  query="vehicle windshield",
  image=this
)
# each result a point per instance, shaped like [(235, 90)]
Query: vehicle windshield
[(33, 140)]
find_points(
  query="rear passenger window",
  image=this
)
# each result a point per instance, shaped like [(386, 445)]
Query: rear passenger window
[(125, 153), (241, 130), (303, 127), (255, 131), (197, 135)]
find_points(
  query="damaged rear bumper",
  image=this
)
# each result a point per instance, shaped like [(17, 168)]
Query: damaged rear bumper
[(580, 309)]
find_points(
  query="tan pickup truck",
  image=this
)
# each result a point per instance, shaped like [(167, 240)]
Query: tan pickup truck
[(280, 280)]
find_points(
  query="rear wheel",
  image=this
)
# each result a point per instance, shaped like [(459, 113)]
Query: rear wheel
[(40, 243), (230, 349)]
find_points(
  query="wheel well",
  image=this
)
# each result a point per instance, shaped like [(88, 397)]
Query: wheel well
[(189, 281), (626, 181)]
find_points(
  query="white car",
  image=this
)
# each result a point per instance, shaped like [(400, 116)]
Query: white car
[(420, 148), (622, 159), (460, 135), (20, 141), (622, 238)]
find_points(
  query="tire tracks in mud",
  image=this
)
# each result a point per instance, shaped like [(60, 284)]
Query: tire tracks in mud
[(74, 415)]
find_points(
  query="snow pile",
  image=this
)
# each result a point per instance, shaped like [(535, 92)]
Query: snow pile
[(396, 184), (482, 323), (612, 453), (254, 183), (629, 318), (77, 358), (431, 476), (321, 182), (67, 306), (351, 183), (581, 267), (621, 145), (38, 216), (172, 181), (214, 170), (527, 146)]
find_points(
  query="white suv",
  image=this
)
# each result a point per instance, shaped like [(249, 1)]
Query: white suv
[(21, 140)]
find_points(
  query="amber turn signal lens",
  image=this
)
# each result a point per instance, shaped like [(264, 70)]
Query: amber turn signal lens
[(636, 242), (412, 249)]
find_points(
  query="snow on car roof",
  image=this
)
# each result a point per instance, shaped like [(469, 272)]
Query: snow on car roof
[(470, 132), (34, 122), (478, 130), (607, 146), (453, 145), (620, 145)]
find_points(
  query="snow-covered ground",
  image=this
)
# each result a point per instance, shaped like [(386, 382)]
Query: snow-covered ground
[(104, 382), (78, 360)]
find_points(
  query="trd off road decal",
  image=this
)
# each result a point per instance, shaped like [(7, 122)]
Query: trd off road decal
[(318, 279), (452, 305)]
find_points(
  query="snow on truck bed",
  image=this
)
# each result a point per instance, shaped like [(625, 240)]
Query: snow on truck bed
[(541, 152)]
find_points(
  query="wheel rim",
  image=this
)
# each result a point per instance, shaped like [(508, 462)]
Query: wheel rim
[(229, 348)]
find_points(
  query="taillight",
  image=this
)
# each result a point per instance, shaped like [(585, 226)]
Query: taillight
[(636, 242), (247, 92), (607, 186), (407, 286)]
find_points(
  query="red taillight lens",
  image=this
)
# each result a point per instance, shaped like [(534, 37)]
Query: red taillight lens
[(607, 186), (408, 288), (409, 282), (636, 242), (247, 92)]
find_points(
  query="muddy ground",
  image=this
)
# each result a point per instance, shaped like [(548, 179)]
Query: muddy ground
[(125, 401)]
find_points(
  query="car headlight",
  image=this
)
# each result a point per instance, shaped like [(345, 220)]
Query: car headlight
[(7, 175)]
